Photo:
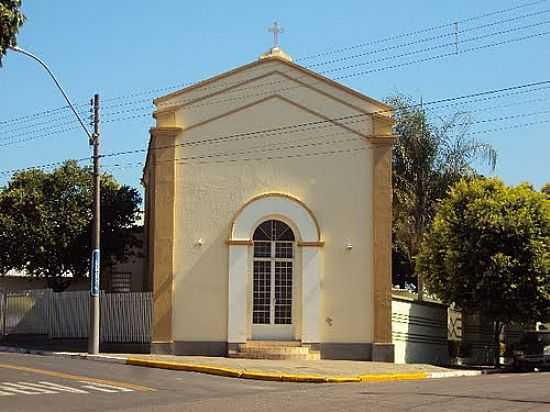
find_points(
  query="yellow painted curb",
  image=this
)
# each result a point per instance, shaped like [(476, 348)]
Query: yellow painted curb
[(394, 377), (343, 379), (269, 376), (262, 376), (210, 370)]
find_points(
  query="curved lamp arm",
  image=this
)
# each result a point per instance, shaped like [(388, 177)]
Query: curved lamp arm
[(45, 66)]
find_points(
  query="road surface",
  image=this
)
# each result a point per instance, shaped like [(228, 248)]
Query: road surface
[(41, 383)]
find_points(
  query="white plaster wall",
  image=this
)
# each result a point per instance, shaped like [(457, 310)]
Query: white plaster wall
[(212, 188), (238, 295), (419, 332)]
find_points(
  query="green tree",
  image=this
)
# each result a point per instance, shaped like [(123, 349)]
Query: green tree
[(11, 19), (488, 250), (45, 221), (427, 160), (546, 190)]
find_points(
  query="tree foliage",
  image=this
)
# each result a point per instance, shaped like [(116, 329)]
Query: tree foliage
[(427, 160), (488, 250), (11, 19), (45, 221)]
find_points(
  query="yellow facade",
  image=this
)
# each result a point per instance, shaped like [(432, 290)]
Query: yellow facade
[(269, 127)]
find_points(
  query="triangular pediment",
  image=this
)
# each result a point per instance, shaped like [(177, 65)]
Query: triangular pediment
[(237, 78)]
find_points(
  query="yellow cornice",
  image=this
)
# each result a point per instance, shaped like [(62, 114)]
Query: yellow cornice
[(239, 242), (388, 119), (311, 244), (382, 139), (165, 131), (160, 132)]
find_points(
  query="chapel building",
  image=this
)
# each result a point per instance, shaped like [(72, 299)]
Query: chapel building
[(268, 211)]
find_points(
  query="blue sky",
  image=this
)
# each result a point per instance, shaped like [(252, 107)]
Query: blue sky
[(122, 48)]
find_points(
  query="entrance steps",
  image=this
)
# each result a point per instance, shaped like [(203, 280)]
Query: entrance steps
[(261, 349)]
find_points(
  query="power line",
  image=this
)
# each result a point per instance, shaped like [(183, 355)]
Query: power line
[(47, 112), (440, 56), (415, 42), (503, 128), (405, 54), (201, 158), (43, 166), (324, 53), (365, 44), (352, 75), (242, 97), (25, 126), (430, 58), (31, 132), (299, 155), (545, 84), (32, 138), (427, 39), (342, 119), (416, 32), (431, 48)]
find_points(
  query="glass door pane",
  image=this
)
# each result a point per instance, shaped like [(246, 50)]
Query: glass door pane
[(262, 292), (283, 292)]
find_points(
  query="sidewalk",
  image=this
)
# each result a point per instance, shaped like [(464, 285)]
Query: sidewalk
[(319, 371)]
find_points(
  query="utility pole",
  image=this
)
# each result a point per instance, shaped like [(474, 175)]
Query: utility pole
[(93, 138), (93, 330)]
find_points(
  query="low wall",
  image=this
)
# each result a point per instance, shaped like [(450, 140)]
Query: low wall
[(419, 331)]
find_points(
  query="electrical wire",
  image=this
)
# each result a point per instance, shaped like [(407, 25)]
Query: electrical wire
[(324, 53), (416, 32), (56, 126)]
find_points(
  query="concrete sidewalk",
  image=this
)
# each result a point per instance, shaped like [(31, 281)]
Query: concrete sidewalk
[(317, 367), (320, 371)]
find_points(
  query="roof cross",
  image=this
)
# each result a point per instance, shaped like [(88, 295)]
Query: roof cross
[(276, 30)]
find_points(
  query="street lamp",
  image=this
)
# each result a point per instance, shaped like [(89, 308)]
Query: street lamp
[(93, 138)]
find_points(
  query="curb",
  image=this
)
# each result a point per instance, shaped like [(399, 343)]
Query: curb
[(454, 374), (283, 377)]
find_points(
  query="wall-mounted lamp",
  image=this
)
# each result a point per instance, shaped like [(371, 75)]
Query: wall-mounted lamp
[(349, 246), (200, 242)]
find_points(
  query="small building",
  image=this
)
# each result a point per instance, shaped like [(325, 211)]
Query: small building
[(268, 209)]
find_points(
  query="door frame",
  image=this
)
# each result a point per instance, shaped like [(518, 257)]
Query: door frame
[(272, 330), (309, 245)]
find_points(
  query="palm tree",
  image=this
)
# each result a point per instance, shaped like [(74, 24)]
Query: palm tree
[(427, 160)]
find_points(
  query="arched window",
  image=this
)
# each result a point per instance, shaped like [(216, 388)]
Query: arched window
[(273, 273)]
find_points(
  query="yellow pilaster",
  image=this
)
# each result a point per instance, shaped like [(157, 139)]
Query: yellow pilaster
[(163, 191)]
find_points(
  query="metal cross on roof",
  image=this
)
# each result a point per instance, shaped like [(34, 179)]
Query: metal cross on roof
[(276, 30)]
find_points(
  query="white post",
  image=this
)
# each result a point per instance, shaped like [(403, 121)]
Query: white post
[(311, 294), (237, 298)]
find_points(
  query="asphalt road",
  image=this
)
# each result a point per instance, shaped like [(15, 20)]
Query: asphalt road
[(37, 383)]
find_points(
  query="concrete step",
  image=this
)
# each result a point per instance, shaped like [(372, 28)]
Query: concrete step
[(279, 351), (290, 350), (262, 343), (275, 356)]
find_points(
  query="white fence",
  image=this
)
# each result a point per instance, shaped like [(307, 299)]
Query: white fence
[(125, 317)]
